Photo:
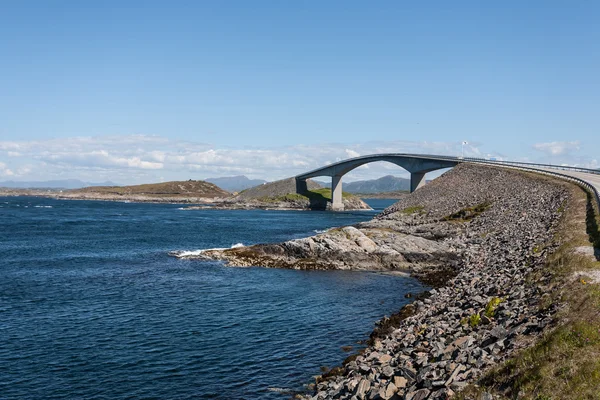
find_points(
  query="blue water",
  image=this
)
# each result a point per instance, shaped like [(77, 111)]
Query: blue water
[(92, 306)]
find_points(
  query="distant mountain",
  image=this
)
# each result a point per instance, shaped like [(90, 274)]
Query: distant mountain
[(55, 184), (235, 183), (387, 183)]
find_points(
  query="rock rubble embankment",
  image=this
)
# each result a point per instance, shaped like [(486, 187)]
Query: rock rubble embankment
[(485, 232)]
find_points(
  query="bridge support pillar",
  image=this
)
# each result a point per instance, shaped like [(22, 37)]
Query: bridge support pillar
[(301, 186), (336, 194), (417, 179)]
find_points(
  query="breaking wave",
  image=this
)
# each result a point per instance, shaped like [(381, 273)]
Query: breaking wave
[(198, 253)]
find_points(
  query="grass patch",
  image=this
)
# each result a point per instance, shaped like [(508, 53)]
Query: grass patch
[(285, 197), (414, 210), (490, 308), (474, 320), (565, 363), (324, 193), (316, 195), (467, 214), (561, 209)]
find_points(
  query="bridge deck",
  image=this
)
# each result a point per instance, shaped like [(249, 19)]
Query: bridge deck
[(419, 164)]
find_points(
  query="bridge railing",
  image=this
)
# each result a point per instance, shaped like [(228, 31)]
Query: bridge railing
[(529, 167), (518, 163), (472, 159), (537, 167)]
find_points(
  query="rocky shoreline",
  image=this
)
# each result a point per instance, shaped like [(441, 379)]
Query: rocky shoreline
[(480, 236), (285, 203), (279, 195), (90, 195)]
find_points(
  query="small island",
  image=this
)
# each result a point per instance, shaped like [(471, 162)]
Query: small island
[(278, 195)]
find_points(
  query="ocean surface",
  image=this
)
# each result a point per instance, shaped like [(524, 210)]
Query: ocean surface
[(93, 307)]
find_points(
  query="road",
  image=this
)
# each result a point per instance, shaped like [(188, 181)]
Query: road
[(589, 177), (592, 179)]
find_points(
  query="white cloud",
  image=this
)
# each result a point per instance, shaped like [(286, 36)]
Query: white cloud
[(5, 171), (592, 164), (351, 153), (557, 148), (97, 158), (140, 158)]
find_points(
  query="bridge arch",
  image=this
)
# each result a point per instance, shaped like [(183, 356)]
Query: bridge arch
[(417, 165)]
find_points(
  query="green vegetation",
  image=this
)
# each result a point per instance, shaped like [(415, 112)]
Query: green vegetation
[(324, 193), (414, 210), (561, 209), (467, 214), (474, 320), (315, 195), (489, 311), (490, 308), (285, 197), (565, 363)]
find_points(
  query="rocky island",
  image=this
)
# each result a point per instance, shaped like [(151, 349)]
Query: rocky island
[(281, 195), (190, 191), (486, 240)]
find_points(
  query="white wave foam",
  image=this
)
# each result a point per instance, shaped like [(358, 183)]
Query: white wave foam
[(43, 206), (199, 253), (279, 390), (321, 230), (188, 253)]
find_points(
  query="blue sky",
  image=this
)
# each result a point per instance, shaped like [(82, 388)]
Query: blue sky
[(144, 91)]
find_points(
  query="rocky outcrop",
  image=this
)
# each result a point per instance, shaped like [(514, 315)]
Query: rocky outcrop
[(274, 189), (289, 201), (485, 232), (370, 249), (282, 195)]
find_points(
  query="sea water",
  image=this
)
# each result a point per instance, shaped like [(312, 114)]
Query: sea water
[(93, 307)]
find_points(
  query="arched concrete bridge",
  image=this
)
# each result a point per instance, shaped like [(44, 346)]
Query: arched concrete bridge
[(419, 164)]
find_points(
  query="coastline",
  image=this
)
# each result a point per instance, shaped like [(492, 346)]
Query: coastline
[(479, 313), (194, 203)]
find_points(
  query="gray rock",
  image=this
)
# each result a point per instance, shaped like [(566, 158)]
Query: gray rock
[(389, 391), (400, 382), (420, 394), (387, 371), (361, 390)]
